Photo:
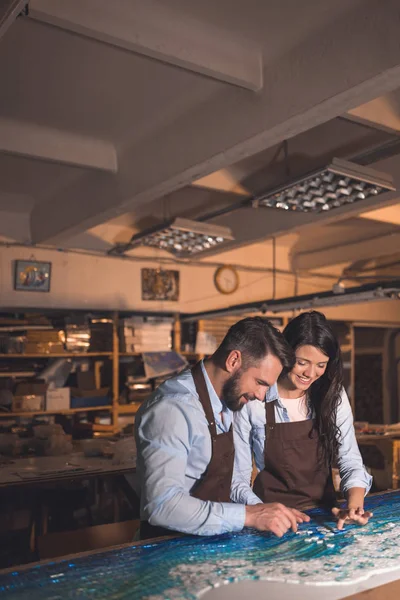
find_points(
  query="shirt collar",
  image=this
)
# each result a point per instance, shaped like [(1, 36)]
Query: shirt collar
[(216, 403), (272, 393)]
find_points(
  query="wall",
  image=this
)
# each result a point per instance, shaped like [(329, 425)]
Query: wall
[(92, 282), (80, 281)]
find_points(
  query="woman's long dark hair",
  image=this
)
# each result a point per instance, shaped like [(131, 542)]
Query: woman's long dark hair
[(312, 329)]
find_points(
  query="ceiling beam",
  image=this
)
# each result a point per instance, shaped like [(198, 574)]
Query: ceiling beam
[(387, 214), (9, 11), (362, 57), (380, 113), (14, 227), (370, 292), (45, 143), (382, 245), (153, 29)]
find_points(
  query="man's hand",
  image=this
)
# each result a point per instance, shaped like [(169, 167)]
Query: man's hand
[(351, 515), (274, 517)]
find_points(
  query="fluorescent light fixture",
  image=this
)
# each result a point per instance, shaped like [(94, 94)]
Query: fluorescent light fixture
[(335, 299), (340, 183), (181, 237), (370, 292)]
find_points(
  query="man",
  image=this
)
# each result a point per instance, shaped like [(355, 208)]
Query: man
[(185, 442)]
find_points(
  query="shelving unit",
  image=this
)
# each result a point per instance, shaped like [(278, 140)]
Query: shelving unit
[(128, 409), (345, 332), (18, 374), (114, 409), (70, 411), (60, 355)]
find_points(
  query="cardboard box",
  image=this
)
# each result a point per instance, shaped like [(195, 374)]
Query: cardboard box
[(44, 348), (93, 393), (86, 380), (28, 403), (31, 388), (87, 398), (37, 335), (58, 399)]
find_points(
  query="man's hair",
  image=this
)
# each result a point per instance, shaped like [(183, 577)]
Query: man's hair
[(255, 338)]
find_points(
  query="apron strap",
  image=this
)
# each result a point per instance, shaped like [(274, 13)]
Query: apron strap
[(270, 412), (201, 388)]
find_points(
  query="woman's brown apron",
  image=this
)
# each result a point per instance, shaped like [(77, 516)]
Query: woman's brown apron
[(294, 473)]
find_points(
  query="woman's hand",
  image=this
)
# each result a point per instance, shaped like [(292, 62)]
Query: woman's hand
[(354, 513), (351, 515)]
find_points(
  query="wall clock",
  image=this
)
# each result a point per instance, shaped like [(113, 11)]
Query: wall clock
[(226, 279)]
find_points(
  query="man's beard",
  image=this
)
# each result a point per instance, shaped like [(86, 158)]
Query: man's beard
[(231, 392)]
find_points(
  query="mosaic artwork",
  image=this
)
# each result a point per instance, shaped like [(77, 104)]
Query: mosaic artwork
[(186, 567)]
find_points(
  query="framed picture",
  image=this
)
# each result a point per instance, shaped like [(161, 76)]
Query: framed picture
[(32, 276), (158, 284)]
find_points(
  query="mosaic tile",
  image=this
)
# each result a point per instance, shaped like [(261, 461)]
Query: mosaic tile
[(185, 567)]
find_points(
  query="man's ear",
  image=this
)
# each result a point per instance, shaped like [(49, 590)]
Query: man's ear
[(233, 361)]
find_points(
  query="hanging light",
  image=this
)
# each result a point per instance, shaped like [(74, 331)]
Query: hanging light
[(371, 292), (181, 237), (340, 183)]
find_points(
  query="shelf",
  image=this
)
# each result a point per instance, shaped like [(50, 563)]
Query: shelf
[(345, 348), (69, 411), (128, 409), (15, 374), (145, 352), (27, 365), (60, 355), (139, 353), (368, 350)]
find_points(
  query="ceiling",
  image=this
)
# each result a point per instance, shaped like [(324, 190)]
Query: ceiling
[(114, 116)]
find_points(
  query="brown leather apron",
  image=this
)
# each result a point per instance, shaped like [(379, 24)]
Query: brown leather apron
[(215, 483), (294, 473)]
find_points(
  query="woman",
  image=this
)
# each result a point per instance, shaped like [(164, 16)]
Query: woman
[(304, 427)]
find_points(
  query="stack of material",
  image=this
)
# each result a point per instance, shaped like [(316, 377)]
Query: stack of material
[(146, 334), (101, 335), (43, 341), (218, 328), (77, 338), (11, 344), (13, 332)]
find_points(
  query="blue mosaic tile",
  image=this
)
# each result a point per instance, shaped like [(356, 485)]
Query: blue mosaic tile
[(184, 567)]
